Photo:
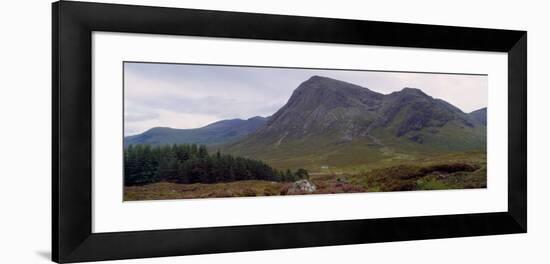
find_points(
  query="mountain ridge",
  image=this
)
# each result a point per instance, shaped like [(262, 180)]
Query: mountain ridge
[(480, 115), (325, 115), (341, 122), (219, 132)]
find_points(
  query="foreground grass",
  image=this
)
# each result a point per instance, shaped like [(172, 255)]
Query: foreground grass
[(451, 171), (166, 190)]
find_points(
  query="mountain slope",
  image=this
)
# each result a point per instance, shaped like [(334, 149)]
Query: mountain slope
[(216, 133), (480, 115), (332, 122)]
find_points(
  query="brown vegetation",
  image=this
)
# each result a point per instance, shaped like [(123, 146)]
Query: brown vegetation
[(445, 172)]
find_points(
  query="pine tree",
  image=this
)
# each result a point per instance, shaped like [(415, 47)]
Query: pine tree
[(186, 163), (202, 152)]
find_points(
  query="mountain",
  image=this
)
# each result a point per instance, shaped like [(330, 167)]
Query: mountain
[(480, 115), (216, 133), (323, 106), (328, 121)]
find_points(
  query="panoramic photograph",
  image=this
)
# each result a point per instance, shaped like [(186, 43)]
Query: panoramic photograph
[(212, 131)]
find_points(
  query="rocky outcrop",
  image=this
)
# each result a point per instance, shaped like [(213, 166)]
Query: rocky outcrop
[(301, 187)]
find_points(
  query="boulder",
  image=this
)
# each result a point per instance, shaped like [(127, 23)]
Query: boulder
[(301, 187)]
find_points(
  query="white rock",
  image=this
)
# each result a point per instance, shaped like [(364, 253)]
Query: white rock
[(303, 186)]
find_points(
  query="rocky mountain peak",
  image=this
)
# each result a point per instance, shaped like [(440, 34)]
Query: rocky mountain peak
[(319, 90), (408, 91), (412, 90)]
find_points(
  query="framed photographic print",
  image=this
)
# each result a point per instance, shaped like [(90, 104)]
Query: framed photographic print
[(179, 131)]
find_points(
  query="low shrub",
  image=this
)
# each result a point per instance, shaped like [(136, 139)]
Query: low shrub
[(409, 177)]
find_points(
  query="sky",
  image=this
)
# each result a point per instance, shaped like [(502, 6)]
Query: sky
[(192, 96)]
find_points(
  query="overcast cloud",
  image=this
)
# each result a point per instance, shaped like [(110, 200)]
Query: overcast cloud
[(190, 96)]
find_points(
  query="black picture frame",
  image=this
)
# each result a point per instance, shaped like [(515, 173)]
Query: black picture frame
[(73, 24)]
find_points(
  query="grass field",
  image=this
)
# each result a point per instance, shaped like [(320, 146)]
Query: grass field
[(378, 150), (461, 170)]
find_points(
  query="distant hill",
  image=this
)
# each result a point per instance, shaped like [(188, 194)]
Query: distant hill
[(480, 115), (328, 121), (216, 133)]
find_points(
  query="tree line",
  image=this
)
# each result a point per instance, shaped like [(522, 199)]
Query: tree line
[(191, 163)]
